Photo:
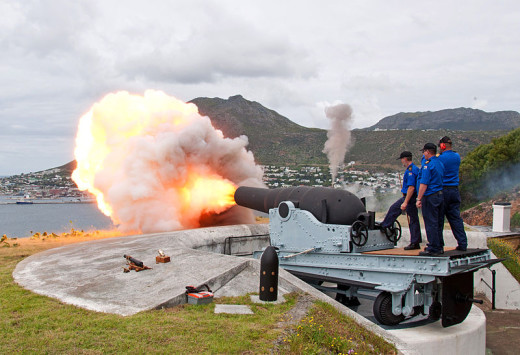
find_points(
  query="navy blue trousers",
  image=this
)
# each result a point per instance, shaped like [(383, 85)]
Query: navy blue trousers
[(452, 212), (395, 210), (432, 209)]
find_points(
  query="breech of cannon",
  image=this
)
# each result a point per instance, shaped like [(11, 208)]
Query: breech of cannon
[(328, 205)]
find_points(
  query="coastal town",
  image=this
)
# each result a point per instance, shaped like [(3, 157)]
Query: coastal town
[(57, 183), (283, 176), (52, 184)]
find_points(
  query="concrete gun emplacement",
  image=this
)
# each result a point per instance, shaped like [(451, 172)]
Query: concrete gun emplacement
[(326, 235)]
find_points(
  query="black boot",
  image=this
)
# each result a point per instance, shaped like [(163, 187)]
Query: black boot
[(412, 246)]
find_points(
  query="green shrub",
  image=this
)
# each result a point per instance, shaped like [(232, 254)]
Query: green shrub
[(489, 163), (515, 220), (503, 249)]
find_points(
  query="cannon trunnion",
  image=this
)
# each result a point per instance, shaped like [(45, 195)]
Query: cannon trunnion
[(326, 235)]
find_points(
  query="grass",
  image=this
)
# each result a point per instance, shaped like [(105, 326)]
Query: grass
[(261, 220), (515, 220), (504, 249), (30, 323), (327, 331)]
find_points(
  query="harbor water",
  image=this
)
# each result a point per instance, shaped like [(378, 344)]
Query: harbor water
[(18, 220)]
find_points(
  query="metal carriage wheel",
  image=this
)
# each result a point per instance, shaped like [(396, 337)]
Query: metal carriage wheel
[(383, 310)]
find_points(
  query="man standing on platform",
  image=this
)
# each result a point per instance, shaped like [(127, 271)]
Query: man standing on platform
[(407, 202), (451, 162), (430, 199)]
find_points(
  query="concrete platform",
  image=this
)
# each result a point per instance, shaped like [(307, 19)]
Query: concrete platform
[(233, 309), (90, 275), (256, 299)]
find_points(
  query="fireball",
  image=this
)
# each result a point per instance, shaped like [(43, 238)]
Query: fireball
[(155, 164)]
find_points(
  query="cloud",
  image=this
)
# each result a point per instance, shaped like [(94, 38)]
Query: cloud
[(478, 103), (31, 153), (45, 28), (371, 82), (58, 57), (212, 52), (192, 65)]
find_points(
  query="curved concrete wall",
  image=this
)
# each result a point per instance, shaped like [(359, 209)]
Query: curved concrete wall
[(468, 337)]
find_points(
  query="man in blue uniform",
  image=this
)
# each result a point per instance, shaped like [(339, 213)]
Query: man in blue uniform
[(451, 162), (418, 182), (407, 202), (430, 199)]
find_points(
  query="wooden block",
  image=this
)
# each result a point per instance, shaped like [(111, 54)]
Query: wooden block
[(401, 251), (162, 259)]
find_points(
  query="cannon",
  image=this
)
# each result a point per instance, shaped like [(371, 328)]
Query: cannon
[(325, 235), (328, 206)]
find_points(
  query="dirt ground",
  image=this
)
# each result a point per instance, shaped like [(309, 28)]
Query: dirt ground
[(502, 330)]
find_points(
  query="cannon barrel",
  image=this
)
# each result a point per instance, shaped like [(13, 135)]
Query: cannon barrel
[(133, 260), (328, 205)]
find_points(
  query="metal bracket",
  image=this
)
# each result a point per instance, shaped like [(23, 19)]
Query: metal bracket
[(492, 287)]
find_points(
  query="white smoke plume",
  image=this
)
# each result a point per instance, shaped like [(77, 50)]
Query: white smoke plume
[(155, 164), (498, 181), (338, 136), (379, 202)]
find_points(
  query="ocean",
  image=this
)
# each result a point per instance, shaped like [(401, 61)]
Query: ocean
[(19, 220)]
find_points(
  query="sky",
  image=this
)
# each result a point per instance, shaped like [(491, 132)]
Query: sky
[(59, 57)]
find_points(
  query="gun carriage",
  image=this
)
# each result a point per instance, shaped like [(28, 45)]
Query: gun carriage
[(326, 235)]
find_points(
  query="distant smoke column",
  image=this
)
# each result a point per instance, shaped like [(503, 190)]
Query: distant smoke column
[(338, 137)]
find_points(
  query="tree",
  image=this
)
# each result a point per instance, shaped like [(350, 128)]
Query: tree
[(490, 168)]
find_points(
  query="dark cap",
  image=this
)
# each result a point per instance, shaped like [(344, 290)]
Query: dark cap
[(405, 154), (429, 146), (445, 139)]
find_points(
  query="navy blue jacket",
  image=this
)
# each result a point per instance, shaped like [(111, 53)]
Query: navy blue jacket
[(432, 174), (410, 177), (451, 162)]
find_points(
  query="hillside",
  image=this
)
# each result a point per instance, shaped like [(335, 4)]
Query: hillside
[(69, 167), (273, 138), (482, 214), (463, 119), (491, 168), (276, 140), (383, 147)]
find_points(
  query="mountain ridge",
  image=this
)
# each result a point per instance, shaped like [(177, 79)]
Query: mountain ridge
[(465, 119), (276, 140)]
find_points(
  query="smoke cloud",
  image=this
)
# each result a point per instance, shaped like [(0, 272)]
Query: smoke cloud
[(338, 136), (155, 164), (498, 181), (376, 201)]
